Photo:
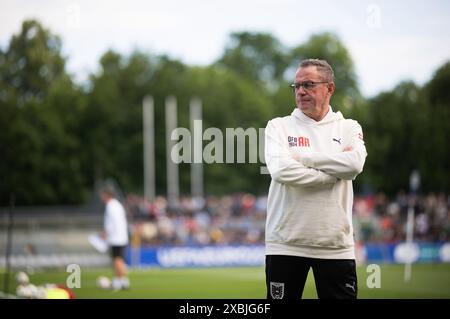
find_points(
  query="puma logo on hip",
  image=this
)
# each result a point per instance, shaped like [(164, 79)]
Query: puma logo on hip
[(351, 286)]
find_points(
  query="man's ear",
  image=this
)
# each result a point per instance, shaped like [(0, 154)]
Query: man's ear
[(331, 88)]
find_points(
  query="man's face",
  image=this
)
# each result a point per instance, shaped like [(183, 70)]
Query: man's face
[(313, 101), (104, 197)]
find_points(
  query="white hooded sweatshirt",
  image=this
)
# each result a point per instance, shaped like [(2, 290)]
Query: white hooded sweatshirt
[(310, 200), (115, 223)]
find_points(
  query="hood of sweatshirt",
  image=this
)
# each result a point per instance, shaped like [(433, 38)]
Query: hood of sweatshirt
[(329, 117)]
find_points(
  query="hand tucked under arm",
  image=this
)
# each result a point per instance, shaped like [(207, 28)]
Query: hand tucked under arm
[(344, 165)]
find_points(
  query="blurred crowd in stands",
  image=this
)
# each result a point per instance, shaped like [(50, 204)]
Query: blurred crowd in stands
[(380, 219), (240, 219), (237, 219)]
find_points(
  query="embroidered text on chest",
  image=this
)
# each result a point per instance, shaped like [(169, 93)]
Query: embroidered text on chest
[(299, 141)]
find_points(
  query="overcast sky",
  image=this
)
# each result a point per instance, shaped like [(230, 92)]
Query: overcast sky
[(389, 41)]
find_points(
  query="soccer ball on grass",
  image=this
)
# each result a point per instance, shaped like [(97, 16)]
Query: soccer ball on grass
[(103, 282)]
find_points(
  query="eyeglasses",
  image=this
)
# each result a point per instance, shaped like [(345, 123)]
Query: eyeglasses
[(308, 85)]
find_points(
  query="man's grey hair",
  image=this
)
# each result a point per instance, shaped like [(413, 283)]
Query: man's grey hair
[(323, 67)]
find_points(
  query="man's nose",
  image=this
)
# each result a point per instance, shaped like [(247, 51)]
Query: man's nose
[(301, 91)]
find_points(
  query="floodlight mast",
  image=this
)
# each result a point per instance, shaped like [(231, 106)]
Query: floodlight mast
[(173, 189), (149, 147), (197, 148)]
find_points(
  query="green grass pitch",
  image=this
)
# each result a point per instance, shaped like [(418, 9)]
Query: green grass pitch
[(428, 281)]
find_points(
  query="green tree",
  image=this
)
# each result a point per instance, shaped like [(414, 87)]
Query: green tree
[(256, 56), (437, 131), (394, 132), (32, 62), (406, 129), (39, 105), (113, 119)]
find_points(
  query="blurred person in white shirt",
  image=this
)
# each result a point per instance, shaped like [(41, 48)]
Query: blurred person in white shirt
[(116, 235)]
